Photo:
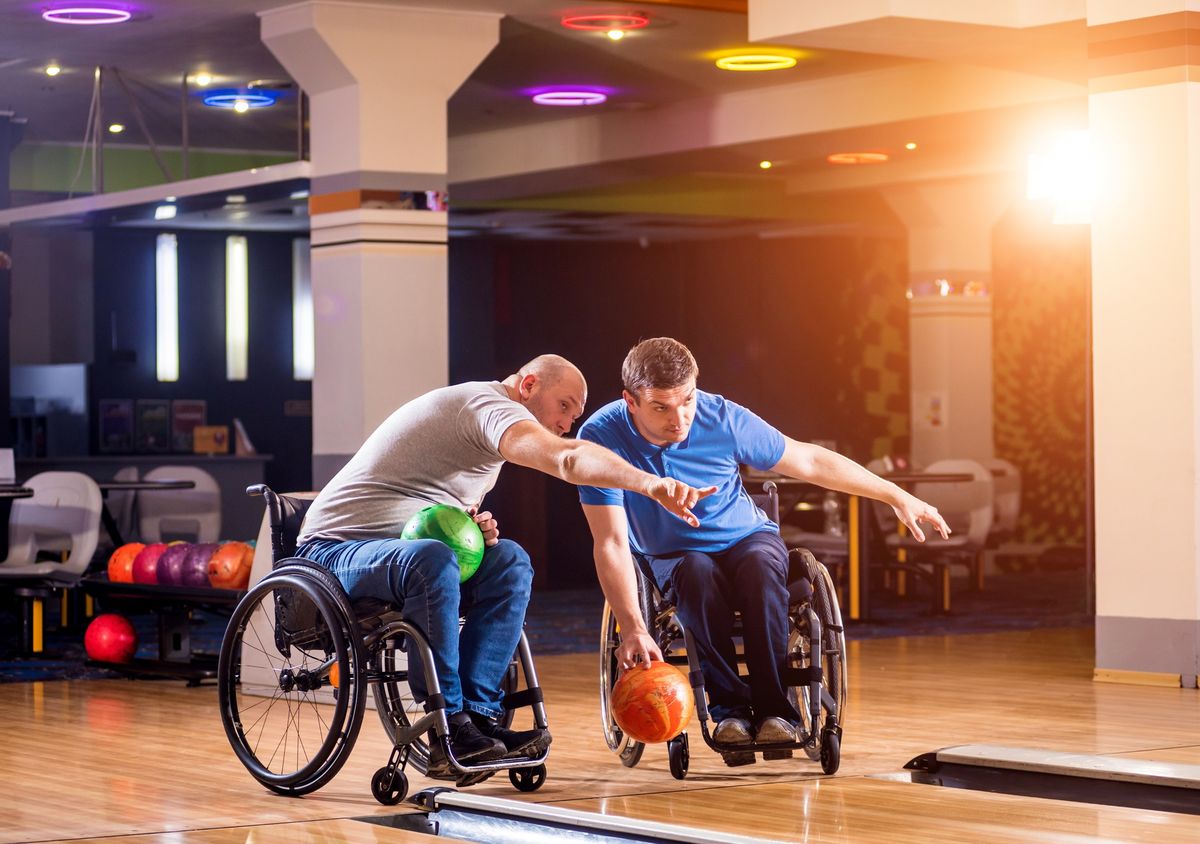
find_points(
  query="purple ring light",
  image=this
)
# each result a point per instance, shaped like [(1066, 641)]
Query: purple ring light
[(569, 97), (84, 15)]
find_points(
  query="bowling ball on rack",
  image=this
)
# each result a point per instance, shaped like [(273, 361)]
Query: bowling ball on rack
[(170, 563), (110, 638), (229, 566), (120, 564), (145, 564), (652, 704), (455, 528), (195, 566)]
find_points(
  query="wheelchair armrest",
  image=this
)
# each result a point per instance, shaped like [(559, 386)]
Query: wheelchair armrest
[(256, 489)]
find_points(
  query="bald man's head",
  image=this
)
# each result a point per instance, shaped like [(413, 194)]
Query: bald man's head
[(553, 389)]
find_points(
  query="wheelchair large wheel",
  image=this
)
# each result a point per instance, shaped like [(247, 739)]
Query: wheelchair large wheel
[(629, 750), (289, 644), (831, 711), (395, 703)]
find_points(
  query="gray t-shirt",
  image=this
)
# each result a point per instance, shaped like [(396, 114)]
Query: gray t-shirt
[(440, 448)]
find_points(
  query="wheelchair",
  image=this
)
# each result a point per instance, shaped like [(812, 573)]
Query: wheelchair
[(296, 663), (815, 672)]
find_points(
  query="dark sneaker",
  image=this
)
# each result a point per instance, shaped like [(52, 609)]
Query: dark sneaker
[(732, 731), (516, 742), (773, 729), (468, 744)]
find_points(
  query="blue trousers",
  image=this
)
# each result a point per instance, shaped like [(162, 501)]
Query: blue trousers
[(750, 577), (421, 578)]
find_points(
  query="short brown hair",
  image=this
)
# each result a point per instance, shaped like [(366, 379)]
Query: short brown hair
[(659, 363)]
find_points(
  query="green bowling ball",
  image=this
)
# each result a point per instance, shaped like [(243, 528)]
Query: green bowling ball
[(454, 527)]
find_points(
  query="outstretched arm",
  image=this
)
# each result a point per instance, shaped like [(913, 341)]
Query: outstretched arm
[(614, 567), (582, 462), (808, 462)]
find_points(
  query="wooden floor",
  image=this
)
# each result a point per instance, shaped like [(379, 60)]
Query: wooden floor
[(120, 758)]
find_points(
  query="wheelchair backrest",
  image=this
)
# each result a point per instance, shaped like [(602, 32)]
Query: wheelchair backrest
[(286, 515)]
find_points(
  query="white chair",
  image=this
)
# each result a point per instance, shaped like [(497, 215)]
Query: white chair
[(1006, 480), (192, 514), (967, 508), (62, 516)]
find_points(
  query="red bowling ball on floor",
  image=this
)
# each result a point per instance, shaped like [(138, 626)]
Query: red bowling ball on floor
[(110, 638)]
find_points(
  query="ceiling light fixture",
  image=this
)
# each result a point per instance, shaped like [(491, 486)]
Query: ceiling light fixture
[(857, 158), (164, 212), (910, 146), (569, 97), (615, 34), (239, 100), (86, 15), (756, 61), (605, 23), (203, 79), (765, 165), (116, 128), (53, 70)]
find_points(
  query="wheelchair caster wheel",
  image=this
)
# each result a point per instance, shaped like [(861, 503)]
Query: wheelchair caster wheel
[(387, 788), (677, 756), (831, 752), (527, 779)]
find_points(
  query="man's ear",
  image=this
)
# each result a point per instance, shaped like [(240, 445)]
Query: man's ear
[(630, 399), (527, 385)]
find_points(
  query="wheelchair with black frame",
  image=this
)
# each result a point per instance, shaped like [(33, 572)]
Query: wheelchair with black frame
[(815, 671), (296, 663)]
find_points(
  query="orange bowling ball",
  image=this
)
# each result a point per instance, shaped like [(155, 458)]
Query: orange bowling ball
[(120, 564), (652, 704), (229, 566)]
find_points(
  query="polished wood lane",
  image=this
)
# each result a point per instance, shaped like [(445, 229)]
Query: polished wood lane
[(130, 757)]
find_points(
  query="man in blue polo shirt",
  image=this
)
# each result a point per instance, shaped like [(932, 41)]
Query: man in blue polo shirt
[(734, 559)]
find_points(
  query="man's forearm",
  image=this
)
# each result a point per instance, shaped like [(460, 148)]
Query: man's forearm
[(833, 471), (593, 465), (619, 584)]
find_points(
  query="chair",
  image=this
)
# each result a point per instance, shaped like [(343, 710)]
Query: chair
[(62, 517), (1006, 481), (192, 514), (967, 508)]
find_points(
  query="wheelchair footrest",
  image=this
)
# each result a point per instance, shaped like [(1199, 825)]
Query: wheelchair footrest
[(739, 758), (772, 755)]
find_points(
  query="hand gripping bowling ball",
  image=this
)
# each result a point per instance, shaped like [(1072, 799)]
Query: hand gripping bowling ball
[(120, 564), (110, 638), (145, 564), (454, 527), (195, 565), (170, 564), (229, 566), (652, 704)]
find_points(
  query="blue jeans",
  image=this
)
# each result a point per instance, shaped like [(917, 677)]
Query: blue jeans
[(421, 578), (750, 576)]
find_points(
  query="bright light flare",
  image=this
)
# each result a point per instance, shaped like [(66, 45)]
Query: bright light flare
[(1064, 173)]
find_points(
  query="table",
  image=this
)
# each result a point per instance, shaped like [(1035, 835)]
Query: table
[(15, 491), (859, 530), (110, 524)]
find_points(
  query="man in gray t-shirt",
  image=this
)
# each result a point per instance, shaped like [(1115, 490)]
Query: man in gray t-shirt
[(447, 447)]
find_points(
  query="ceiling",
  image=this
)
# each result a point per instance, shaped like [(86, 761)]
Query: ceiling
[(662, 65)]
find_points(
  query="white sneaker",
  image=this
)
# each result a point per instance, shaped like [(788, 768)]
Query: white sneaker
[(774, 729), (732, 731)]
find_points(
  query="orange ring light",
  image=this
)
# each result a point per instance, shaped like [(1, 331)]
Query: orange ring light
[(605, 23), (857, 158)]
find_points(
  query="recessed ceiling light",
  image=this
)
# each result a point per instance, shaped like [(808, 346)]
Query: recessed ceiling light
[(298, 194), (170, 199), (240, 100), (86, 15), (569, 97), (53, 70), (203, 79), (857, 158), (235, 199), (911, 145), (757, 60), (116, 128), (605, 23), (164, 212), (765, 165), (615, 34)]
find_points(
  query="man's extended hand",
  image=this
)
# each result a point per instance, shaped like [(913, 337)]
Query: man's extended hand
[(679, 498), (911, 510), (487, 524), (637, 648)]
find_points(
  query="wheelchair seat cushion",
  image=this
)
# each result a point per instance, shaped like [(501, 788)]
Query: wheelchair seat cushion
[(800, 591)]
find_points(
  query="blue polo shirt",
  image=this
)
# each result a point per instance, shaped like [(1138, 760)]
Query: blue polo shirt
[(723, 435)]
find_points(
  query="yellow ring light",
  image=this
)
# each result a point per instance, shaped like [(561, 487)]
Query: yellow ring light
[(755, 62)]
